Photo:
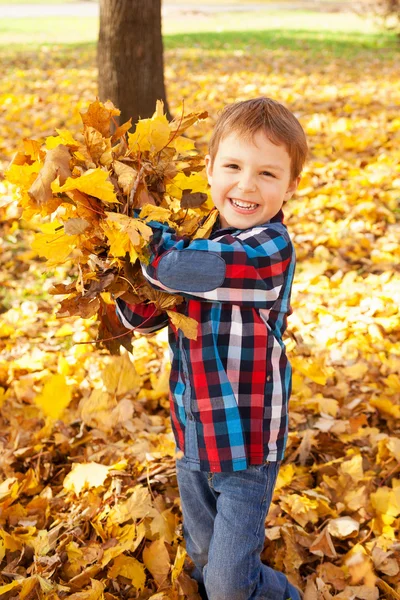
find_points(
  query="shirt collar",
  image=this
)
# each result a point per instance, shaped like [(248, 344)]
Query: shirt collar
[(278, 218)]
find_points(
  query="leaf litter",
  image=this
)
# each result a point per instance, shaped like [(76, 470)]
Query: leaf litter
[(89, 502)]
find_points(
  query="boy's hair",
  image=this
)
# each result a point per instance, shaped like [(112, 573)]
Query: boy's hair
[(248, 117)]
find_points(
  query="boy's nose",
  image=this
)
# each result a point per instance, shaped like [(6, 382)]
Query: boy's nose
[(246, 185)]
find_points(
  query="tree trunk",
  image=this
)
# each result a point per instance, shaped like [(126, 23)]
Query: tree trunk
[(130, 57)]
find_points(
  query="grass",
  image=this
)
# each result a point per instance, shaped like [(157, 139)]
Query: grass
[(339, 33)]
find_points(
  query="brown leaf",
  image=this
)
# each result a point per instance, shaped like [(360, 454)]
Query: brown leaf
[(97, 286), (126, 176), (56, 164), (178, 125), (96, 144), (162, 300), (77, 305), (192, 200), (323, 545), (75, 226), (121, 130), (99, 116)]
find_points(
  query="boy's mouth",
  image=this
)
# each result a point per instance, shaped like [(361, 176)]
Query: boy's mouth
[(242, 205)]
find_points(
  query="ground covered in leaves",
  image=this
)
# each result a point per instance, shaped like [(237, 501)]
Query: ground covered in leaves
[(113, 529)]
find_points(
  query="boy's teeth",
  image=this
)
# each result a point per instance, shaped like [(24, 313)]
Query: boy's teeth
[(241, 204)]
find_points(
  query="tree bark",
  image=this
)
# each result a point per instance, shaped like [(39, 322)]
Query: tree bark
[(130, 57)]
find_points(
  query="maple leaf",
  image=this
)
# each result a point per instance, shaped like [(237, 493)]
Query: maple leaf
[(85, 476), (188, 325), (156, 560), (150, 134), (55, 396), (130, 568), (94, 182), (99, 116), (53, 244), (56, 164)]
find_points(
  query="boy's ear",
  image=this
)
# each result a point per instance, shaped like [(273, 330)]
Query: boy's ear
[(293, 185), (208, 168)]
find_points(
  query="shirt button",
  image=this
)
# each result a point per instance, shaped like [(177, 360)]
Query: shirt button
[(190, 417)]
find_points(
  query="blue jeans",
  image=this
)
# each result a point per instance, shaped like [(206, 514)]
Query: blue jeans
[(223, 527)]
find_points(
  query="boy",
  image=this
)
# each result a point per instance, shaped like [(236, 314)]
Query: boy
[(230, 388)]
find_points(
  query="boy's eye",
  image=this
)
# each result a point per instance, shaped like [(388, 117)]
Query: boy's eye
[(232, 166), (268, 173)]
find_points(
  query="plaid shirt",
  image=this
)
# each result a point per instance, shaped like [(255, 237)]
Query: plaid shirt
[(229, 388)]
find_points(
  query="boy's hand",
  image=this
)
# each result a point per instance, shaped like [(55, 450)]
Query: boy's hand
[(144, 198)]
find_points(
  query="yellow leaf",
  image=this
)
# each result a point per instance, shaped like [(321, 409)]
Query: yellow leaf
[(64, 137), (28, 585), (125, 234), (156, 560), (137, 506), (386, 407), (7, 487), (131, 569), (353, 467), (99, 116), (85, 475), (55, 396), (188, 325), (120, 376), (328, 406), (205, 230), (164, 525), (32, 148), (311, 369), (178, 563), (94, 182), (356, 371), (23, 175), (96, 409), (156, 213), (10, 586), (285, 476), (150, 134), (2, 396), (53, 244), (195, 182), (182, 145), (96, 593), (386, 502)]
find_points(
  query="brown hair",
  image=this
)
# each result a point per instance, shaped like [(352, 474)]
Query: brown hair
[(280, 125)]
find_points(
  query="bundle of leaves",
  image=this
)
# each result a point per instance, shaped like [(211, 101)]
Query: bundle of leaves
[(100, 189)]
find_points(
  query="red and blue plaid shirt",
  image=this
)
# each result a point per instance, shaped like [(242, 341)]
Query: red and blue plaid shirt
[(229, 389)]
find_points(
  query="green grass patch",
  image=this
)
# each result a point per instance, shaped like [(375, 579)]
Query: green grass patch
[(48, 30), (338, 34)]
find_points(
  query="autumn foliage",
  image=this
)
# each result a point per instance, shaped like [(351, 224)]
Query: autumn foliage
[(89, 505), (91, 185)]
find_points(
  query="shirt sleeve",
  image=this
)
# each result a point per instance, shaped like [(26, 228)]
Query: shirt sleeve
[(142, 317), (253, 268)]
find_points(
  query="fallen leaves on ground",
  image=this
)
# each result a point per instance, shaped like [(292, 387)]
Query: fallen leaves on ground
[(114, 530)]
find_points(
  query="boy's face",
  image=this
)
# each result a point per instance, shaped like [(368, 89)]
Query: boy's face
[(250, 180)]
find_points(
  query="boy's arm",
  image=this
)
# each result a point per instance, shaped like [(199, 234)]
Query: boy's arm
[(251, 269), (143, 317)]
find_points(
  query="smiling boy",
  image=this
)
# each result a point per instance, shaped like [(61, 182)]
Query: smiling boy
[(230, 388)]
